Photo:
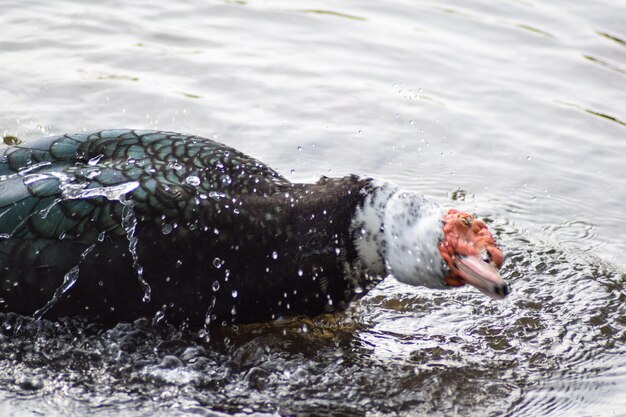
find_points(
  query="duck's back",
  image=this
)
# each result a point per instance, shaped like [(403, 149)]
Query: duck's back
[(97, 222)]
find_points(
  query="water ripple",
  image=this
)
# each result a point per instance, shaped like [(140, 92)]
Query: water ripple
[(553, 347)]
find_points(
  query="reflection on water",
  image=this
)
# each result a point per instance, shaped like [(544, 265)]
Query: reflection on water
[(514, 110)]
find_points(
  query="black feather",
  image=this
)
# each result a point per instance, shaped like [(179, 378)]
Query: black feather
[(207, 216)]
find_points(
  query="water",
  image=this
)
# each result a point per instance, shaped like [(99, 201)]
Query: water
[(514, 110)]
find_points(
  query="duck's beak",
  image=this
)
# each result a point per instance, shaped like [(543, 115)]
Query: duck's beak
[(474, 271)]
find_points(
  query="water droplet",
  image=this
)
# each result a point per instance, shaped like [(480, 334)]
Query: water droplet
[(217, 262), (233, 311), (43, 213), (92, 174), (68, 281), (158, 317), (192, 180), (216, 195), (299, 148), (94, 161), (300, 272), (274, 255), (204, 334), (337, 251), (166, 229), (234, 293), (216, 285)]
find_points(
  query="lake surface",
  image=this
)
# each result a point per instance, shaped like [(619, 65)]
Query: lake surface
[(515, 110)]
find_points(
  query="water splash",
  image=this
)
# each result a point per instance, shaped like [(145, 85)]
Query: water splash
[(158, 317), (23, 172), (95, 160), (77, 191), (216, 195), (129, 222), (73, 191), (68, 282), (204, 333), (114, 192), (43, 213), (193, 180)]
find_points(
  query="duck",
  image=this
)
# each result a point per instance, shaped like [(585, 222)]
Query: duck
[(115, 225)]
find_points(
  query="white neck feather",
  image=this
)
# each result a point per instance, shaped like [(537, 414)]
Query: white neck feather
[(398, 232)]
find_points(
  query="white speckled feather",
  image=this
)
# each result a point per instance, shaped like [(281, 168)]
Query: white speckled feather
[(398, 232)]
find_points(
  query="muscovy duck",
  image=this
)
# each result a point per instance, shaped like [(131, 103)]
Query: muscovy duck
[(119, 224)]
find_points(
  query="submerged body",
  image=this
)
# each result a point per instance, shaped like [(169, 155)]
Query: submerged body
[(119, 224)]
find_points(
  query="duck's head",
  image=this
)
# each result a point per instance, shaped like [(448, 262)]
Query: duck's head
[(472, 255), (419, 243)]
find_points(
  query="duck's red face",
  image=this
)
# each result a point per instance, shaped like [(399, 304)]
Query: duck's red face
[(472, 254)]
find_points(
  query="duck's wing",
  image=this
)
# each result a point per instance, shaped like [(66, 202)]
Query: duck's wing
[(63, 195), (67, 184)]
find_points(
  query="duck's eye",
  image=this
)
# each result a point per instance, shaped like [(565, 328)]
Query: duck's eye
[(467, 221), (486, 255)]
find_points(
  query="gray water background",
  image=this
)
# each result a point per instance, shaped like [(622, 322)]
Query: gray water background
[(515, 110)]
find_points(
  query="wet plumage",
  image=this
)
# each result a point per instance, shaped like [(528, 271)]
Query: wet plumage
[(119, 224)]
